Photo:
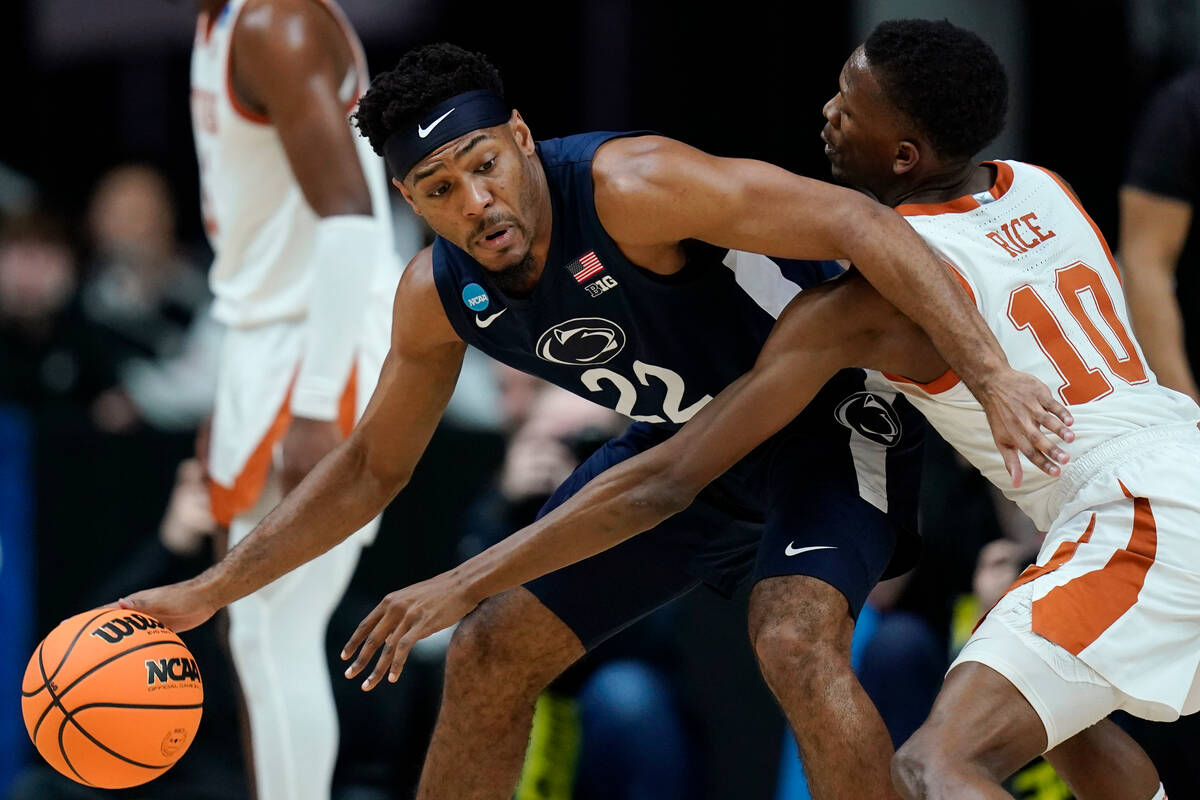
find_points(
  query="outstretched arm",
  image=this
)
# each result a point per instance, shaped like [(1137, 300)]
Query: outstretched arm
[(651, 190), (1154, 229), (355, 481), (841, 323)]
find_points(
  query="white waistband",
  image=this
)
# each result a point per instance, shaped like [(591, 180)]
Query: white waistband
[(1111, 453)]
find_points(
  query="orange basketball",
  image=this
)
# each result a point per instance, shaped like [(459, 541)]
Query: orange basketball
[(111, 698)]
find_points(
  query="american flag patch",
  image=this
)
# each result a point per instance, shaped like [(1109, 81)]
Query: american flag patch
[(585, 267)]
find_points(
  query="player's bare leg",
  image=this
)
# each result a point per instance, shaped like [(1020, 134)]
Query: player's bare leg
[(981, 730), (801, 630), (501, 657), (1105, 763)]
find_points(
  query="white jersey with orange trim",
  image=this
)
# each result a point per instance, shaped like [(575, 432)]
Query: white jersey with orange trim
[(1046, 284), (257, 220)]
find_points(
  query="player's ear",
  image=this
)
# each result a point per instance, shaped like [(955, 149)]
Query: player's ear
[(521, 133), (407, 195), (906, 157)]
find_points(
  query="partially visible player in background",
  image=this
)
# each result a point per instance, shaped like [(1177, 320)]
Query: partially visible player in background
[(1160, 247), (295, 208)]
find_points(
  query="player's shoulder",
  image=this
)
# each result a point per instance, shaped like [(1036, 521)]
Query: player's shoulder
[(418, 275), (417, 310), (633, 163), (1038, 172), (282, 24)]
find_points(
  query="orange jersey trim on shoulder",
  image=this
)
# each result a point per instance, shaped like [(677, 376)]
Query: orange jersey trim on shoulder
[(244, 111), (999, 187), (955, 206), (204, 26), (1004, 179), (945, 383)]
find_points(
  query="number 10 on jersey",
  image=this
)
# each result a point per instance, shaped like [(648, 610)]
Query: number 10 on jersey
[(1081, 383)]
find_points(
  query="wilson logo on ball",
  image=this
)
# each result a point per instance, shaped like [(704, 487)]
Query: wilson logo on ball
[(167, 670), (115, 630)]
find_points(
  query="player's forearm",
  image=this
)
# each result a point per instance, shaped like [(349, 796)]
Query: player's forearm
[(1158, 324), (909, 275), (337, 498), (616, 505)]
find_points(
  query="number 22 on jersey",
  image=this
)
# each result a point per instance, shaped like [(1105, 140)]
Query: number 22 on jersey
[(1081, 383)]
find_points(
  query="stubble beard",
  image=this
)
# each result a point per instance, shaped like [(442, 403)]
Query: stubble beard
[(516, 280)]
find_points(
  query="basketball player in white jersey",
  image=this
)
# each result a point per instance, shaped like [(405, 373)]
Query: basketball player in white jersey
[(296, 211), (1109, 616)]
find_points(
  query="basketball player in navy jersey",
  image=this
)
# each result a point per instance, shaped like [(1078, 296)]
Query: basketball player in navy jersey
[(603, 263), (920, 158)]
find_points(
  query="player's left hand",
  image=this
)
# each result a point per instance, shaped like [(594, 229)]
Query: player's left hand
[(1020, 409), (307, 441), (402, 619)]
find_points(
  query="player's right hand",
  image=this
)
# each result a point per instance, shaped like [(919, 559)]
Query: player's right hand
[(180, 606), (401, 620), (1020, 410)]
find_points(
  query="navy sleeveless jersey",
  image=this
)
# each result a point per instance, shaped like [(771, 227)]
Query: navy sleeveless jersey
[(654, 348)]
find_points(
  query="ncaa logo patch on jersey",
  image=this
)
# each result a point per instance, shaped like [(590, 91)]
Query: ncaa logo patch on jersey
[(584, 342), (871, 416), (475, 297)]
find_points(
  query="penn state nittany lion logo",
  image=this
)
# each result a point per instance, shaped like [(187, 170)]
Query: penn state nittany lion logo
[(871, 416), (583, 342)]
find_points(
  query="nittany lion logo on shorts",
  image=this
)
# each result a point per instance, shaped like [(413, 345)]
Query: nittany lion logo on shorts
[(871, 416), (584, 342)]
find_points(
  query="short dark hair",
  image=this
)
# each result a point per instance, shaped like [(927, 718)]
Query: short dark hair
[(945, 78), (424, 77)]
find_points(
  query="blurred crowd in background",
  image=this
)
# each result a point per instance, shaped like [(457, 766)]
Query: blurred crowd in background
[(107, 362)]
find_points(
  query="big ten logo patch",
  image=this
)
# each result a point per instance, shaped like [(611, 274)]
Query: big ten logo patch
[(115, 630), (597, 288), (171, 670)]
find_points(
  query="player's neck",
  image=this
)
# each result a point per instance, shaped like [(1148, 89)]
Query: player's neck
[(943, 185)]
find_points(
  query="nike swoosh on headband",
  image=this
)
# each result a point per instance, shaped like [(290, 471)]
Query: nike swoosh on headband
[(795, 551), (423, 132)]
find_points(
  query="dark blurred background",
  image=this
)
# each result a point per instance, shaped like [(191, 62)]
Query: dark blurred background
[(100, 397)]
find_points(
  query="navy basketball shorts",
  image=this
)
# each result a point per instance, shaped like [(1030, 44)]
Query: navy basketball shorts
[(832, 496)]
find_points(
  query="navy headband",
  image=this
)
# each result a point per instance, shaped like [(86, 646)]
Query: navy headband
[(448, 120)]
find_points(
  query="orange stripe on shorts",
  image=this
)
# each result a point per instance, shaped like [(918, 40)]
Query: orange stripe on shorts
[(1075, 614), (228, 502), (1062, 554)]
